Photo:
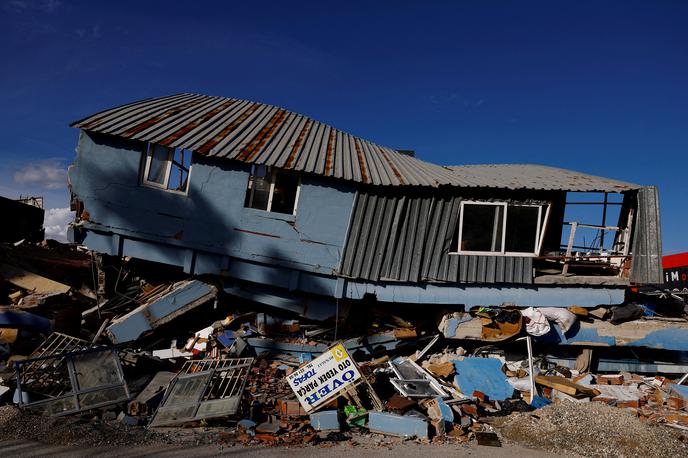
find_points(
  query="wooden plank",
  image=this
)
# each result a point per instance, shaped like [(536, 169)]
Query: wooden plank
[(565, 385), (31, 281)]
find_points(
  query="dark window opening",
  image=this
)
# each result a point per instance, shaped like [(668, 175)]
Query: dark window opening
[(500, 228), (272, 190), (482, 228), (522, 228)]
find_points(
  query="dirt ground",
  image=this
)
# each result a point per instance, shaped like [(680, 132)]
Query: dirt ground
[(590, 430), (595, 430), (395, 448)]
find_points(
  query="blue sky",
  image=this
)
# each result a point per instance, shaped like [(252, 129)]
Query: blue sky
[(600, 87)]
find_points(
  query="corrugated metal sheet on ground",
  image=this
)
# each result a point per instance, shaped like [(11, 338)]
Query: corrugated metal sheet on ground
[(264, 134), (408, 239)]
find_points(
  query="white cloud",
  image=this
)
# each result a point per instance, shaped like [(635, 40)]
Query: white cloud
[(56, 222), (49, 174)]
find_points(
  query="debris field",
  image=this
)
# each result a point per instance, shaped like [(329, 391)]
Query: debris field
[(123, 351)]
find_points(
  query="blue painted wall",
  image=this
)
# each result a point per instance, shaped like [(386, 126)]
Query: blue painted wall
[(208, 230), (210, 224)]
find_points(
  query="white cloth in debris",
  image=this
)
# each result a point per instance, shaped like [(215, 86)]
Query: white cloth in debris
[(563, 317), (521, 384), (537, 324)]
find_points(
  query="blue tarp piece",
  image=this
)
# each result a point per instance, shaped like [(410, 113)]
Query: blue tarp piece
[(540, 402), (482, 374), (226, 338), (23, 320)]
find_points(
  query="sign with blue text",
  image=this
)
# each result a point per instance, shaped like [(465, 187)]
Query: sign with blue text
[(324, 378)]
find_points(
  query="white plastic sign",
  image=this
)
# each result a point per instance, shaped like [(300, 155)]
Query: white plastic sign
[(322, 379)]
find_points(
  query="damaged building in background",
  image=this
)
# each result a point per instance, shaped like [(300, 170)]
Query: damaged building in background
[(26, 214), (239, 266), (297, 215)]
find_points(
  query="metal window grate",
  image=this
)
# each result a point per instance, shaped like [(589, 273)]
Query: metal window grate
[(71, 382), (208, 388)]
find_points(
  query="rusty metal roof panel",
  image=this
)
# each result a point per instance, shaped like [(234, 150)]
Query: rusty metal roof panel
[(534, 176), (261, 134), (264, 134)]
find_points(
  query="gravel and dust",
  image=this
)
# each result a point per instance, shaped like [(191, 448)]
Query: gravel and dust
[(76, 431), (593, 430)]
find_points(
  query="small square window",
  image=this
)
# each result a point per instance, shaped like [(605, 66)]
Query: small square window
[(272, 190), (167, 168)]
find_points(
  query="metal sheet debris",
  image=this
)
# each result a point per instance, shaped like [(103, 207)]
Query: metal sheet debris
[(163, 308)]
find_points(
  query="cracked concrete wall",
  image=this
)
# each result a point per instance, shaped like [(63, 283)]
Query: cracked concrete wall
[(207, 229)]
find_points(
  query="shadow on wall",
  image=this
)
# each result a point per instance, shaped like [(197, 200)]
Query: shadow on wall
[(106, 178)]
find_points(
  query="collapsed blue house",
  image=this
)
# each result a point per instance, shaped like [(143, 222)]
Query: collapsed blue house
[(295, 214)]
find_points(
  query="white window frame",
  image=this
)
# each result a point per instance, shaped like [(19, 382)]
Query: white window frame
[(539, 236), (170, 157), (272, 171)]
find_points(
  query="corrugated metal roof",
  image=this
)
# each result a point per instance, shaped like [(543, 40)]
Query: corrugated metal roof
[(262, 134), (408, 238), (534, 176)]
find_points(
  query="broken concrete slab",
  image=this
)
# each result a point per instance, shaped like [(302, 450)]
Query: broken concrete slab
[(326, 420), (178, 299), (397, 425), (620, 395)]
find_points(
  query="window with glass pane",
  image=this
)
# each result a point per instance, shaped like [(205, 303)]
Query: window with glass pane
[(179, 170), (522, 228), (481, 228), (167, 168), (272, 190), (258, 193), (157, 163)]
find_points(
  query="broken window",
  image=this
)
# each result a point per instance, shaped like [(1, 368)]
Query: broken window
[(167, 168), (413, 381), (60, 384), (272, 190), (590, 245), (500, 228)]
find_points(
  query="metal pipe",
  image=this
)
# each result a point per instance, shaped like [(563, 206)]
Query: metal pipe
[(530, 368)]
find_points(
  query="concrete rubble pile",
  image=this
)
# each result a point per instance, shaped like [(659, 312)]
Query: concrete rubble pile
[(147, 346)]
